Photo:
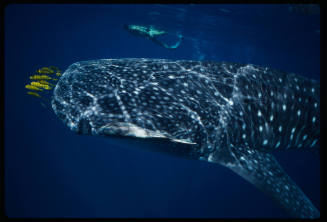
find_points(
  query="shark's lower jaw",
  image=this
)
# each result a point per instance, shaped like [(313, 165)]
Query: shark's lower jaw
[(128, 129), (132, 130)]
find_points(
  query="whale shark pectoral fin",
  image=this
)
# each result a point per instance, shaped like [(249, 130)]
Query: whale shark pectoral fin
[(263, 170)]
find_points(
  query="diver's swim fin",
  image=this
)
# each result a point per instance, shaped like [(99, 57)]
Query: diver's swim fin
[(180, 38)]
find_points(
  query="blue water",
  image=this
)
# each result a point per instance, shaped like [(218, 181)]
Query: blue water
[(52, 172)]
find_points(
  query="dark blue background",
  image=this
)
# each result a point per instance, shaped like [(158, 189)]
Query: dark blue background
[(52, 172)]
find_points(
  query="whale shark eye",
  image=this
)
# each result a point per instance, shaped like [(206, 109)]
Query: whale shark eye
[(84, 126)]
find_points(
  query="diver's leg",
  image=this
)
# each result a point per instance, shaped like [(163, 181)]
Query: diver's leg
[(180, 38)]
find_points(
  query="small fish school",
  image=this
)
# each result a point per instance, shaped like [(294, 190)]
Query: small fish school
[(41, 80)]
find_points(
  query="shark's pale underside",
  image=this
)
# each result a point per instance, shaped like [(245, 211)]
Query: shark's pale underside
[(225, 113)]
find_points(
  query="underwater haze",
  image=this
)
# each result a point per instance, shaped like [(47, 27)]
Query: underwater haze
[(52, 172)]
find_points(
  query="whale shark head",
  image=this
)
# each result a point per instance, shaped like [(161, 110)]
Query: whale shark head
[(125, 99)]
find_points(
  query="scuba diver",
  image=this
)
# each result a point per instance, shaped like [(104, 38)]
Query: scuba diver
[(152, 33)]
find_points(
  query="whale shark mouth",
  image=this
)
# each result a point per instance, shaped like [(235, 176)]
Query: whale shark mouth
[(132, 130)]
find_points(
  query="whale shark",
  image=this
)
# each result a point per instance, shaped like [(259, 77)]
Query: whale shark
[(225, 113)]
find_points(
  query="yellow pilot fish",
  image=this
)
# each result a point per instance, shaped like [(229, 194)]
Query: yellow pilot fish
[(34, 94), (42, 80)]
